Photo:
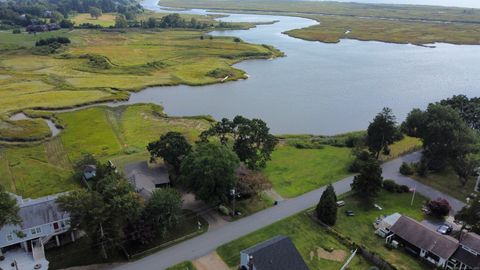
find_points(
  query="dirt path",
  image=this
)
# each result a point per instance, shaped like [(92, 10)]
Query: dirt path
[(210, 262)]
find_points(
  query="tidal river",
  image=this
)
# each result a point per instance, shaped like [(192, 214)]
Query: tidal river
[(323, 88)]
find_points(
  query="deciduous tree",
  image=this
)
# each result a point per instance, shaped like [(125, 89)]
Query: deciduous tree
[(8, 208), (369, 182), (172, 147), (209, 170), (95, 12), (163, 209)]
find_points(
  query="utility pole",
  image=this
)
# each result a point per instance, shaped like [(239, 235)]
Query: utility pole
[(413, 195), (233, 192)]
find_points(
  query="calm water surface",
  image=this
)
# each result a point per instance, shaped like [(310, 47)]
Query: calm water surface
[(325, 88), (448, 3)]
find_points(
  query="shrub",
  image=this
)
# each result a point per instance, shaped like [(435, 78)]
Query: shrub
[(237, 39), (390, 186), (406, 169), (421, 168), (16, 31), (224, 210), (52, 40), (439, 207), (405, 188)]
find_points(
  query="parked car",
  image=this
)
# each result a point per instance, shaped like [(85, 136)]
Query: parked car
[(340, 203), (445, 229), (349, 213)]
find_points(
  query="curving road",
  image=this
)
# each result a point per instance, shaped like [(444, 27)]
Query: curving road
[(208, 242)]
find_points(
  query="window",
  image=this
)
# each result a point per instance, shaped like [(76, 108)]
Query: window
[(9, 237), (36, 230)]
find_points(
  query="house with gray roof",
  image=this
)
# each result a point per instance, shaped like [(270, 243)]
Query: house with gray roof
[(423, 241), (467, 255), (278, 253), (42, 222)]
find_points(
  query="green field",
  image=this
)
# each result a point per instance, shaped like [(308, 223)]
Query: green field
[(360, 229), (106, 20), (118, 134), (448, 183), (103, 66), (307, 236), (388, 23), (295, 171)]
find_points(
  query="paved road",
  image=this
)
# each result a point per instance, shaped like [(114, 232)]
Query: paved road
[(208, 242)]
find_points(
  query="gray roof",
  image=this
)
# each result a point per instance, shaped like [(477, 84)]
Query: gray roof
[(143, 177), (424, 237), (467, 258), (471, 240), (40, 211), (278, 253)]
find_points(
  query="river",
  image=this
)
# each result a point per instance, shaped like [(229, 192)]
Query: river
[(323, 88)]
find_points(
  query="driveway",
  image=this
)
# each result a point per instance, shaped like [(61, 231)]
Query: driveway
[(209, 241)]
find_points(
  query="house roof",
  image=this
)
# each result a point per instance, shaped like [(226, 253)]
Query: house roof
[(40, 211), (467, 258), (471, 240), (392, 219), (278, 253), (424, 237)]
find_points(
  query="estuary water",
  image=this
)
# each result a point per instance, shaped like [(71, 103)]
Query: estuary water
[(323, 88)]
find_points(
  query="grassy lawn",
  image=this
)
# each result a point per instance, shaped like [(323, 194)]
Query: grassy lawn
[(183, 266), (448, 183), (118, 134), (360, 229), (134, 59), (106, 20), (402, 147), (307, 236), (295, 171)]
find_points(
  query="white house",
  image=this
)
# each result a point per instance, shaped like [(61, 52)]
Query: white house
[(42, 222)]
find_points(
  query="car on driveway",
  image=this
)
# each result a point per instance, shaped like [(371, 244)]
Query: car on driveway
[(444, 229), (349, 213)]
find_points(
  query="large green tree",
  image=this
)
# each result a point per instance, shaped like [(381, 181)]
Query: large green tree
[(470, 215), (469, 109), (327, 206), (252, 141), (209, 170), (103, 210), (382, 132), (368, 183), (8, 208), (414, 123), (172, 147), (95, 12), (446, 137), (163, 209), (121, 21)]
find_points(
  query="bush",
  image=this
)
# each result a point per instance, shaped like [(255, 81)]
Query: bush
[(439, 207), (390, 186), (421, 168), (52, 40), (406, 169), (405, 188), (224, 210), (16, 31)]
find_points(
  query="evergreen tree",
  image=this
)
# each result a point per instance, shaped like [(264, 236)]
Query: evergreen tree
[(327, 206)]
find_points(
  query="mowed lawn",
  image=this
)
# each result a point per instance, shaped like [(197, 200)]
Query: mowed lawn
[(295, 171), (307, 236), (360, 227), (106, 20), (448, 183), (183, 266)]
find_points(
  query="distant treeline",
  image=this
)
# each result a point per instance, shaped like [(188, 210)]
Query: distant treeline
[(51, 40), (27, 12)]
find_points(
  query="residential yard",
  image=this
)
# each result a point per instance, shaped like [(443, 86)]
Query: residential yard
[(360, 227), (295, 171), (448, 183), (119, 134), (307, 236)]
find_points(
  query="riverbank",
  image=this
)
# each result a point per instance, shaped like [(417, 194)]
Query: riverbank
[(133, 60), (402, 24)]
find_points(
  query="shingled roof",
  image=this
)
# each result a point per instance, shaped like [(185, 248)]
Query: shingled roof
[(424, 237), (278, 253), (471, 240)]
